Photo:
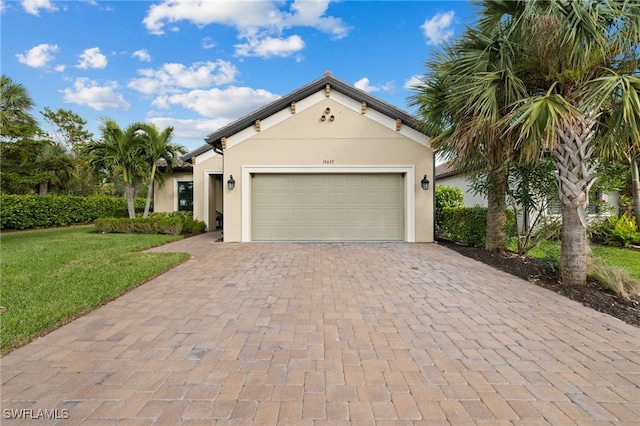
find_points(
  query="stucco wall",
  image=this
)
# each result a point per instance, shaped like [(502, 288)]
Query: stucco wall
[(203, 187), (351, 139), (470, 199), (164, 197)]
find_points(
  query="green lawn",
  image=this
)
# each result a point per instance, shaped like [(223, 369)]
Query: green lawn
[(626, 259), (51, 276)]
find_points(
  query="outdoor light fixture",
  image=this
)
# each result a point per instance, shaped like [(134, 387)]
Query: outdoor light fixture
[(231, 183), (424, 183)]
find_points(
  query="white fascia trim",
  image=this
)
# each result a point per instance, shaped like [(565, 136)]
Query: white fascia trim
[(276, 118), (206, 181), (206, 155), (175, 190), (410, 188)]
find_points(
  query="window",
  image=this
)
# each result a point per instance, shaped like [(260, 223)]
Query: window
[(185, 196), (596, 201)]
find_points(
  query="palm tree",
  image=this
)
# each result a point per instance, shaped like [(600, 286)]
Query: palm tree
[(54, 166), (469, 89), (580, 65), (15, 105), (123, 153), (158, 146)]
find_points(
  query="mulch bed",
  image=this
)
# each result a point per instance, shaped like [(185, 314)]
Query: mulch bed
[(538, 272)]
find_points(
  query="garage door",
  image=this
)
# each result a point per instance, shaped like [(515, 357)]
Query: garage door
[(328, 207)]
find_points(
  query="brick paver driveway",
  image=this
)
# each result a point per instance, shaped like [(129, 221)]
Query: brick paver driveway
[(311, 334)]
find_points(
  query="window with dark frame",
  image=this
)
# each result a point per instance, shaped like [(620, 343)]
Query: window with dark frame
[(185, 196)]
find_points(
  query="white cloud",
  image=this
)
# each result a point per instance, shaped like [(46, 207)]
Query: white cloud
[(170, 78), (190, 129), (87, 92), (143, 55), (259, 23), (38, 56), (438, 28), (311, 14), (244, 15), (365, 85), (208, 43), (92, 58), (33, 6), (60, 68), (412, 82), (229, 103), (269, 46)]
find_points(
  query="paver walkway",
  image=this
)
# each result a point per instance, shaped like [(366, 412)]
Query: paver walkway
[(330, 334)]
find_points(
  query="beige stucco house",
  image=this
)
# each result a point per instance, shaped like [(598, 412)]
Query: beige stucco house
[(328, 162)]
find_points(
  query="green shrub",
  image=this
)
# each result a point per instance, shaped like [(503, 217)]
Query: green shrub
[(183, 215), (36, 211), (194, 227), (617, 231), (468, 225), (140, 225), (189, 225), (622, 231), (447, 196)]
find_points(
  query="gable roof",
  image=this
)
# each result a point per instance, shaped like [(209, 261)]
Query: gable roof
[(214, 139), (445, 170)]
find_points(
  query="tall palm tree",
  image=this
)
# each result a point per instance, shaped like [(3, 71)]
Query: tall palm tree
[(581, 71), (469, 89), (15, 104), (122, 152), (158, 145)]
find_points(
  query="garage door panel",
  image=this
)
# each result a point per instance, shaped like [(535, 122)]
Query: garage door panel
[(328, 207)]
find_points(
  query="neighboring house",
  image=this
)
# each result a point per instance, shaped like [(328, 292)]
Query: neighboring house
[(606, 203), (328, 162), (447, 175)]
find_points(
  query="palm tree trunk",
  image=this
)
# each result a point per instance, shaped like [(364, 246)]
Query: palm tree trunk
[(496, 210), (129, 192), (572, 156), (574, 247), (43, 188), (149, 191), (635, 187)]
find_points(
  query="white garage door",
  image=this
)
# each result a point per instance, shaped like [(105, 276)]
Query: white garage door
[(328, 207)]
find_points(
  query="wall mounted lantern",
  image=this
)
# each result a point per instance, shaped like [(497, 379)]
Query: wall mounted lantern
[(231, 183), (424, 183)]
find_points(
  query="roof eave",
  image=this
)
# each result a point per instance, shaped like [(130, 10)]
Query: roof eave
[(214, 139)]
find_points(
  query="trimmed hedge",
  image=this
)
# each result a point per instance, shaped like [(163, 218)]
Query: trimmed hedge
[(36, 211), (468, 225), (447, 196), (189, 224), (140, 225)]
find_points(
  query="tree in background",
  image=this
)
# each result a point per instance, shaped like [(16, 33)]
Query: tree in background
[(30, 162), (468, 90), (15, 112), (158, 146), (579, 62), (122, 153), (68, 130)]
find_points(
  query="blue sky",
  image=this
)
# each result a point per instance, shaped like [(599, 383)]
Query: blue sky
[(198, 65)]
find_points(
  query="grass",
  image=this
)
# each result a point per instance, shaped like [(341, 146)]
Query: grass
[(613, 268), (628, 260), (51, 276)]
